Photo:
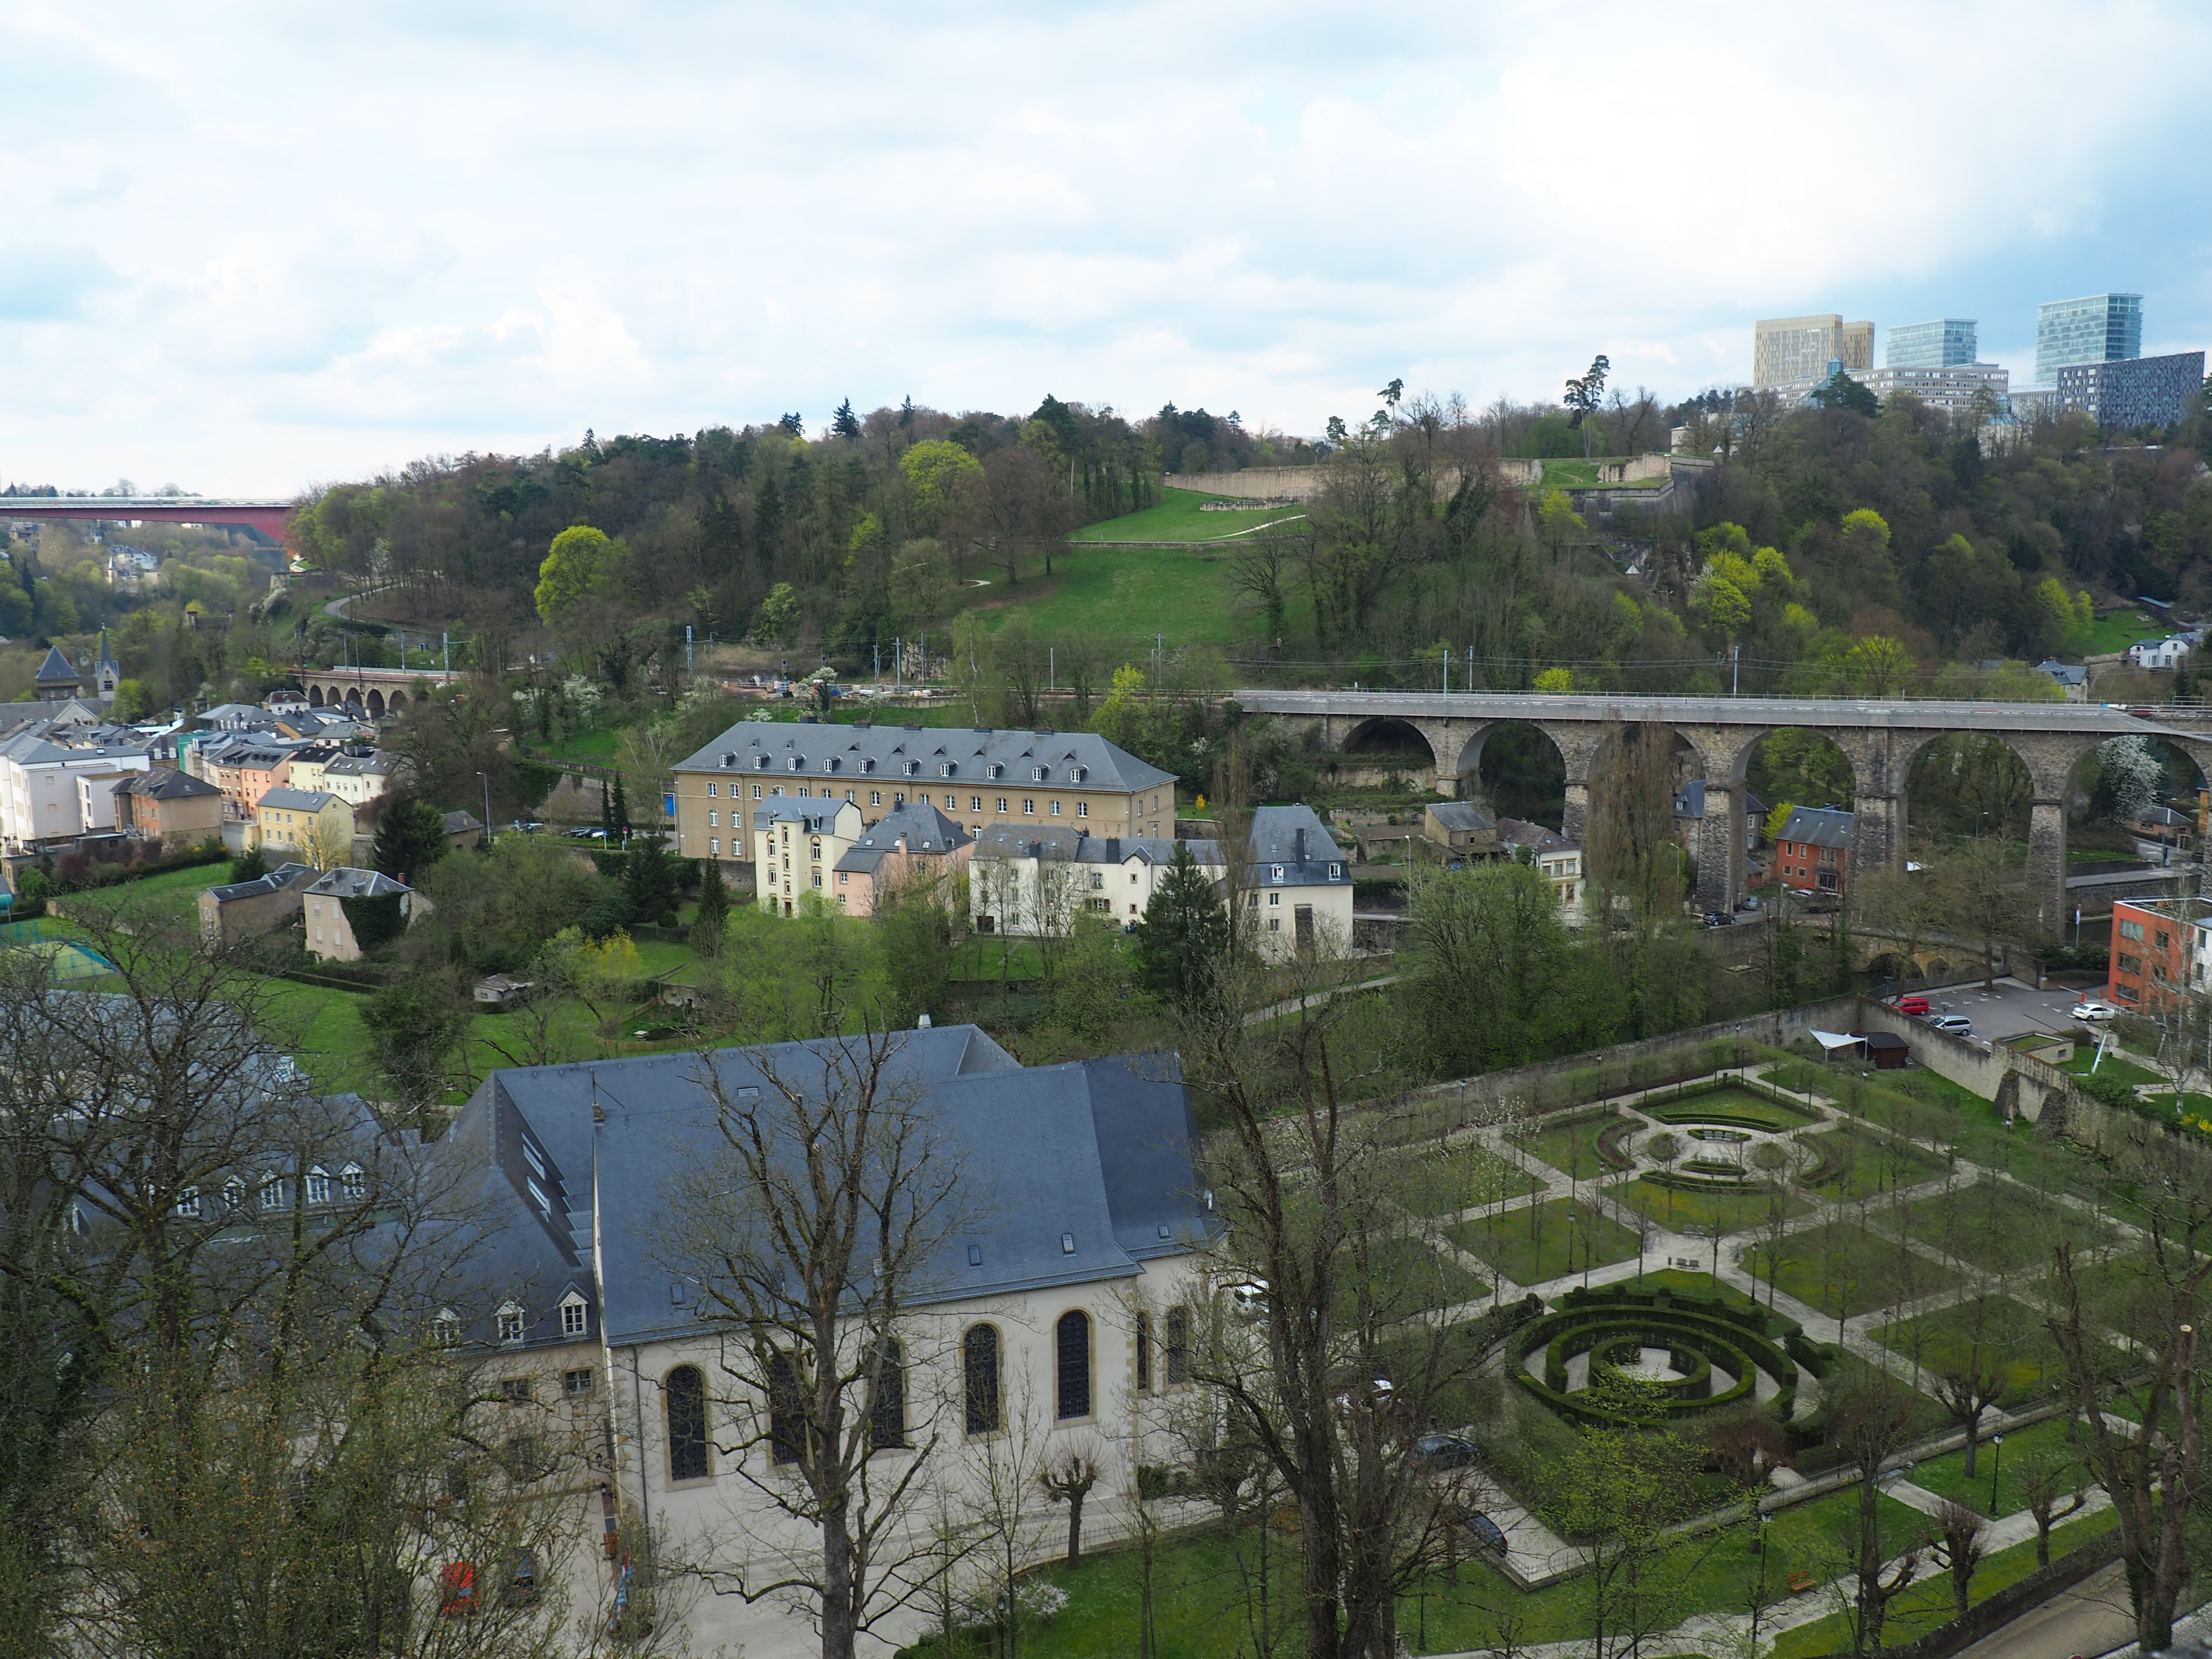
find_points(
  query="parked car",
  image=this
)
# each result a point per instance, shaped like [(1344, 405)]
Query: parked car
[(1489, 1537), (1443, 1451), (1956, 1024), (1250, 1297), (2093, 1009), (1913, 1006), (1719, 919)]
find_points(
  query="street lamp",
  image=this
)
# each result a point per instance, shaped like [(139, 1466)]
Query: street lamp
[(1996, 1440), (1758, 1596)]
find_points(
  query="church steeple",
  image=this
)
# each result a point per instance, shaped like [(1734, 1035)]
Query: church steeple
[(106, 672)]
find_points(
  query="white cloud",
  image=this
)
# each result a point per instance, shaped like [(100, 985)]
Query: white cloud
[(256, 245)]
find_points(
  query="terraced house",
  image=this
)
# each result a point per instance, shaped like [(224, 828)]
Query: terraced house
[(979, 778)]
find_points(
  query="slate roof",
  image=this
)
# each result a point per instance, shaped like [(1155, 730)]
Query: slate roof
[(346, 882), (1818, 826), (924, 829), (300, 800), (1017, 841), (283, 877), (1099, 1150), (56, 670), (817, 817), (1294, 839), (1519, 832), (1690, 801), (165, 783), (2065, 673), (1071, 760), (1461, 817), (459, 824)]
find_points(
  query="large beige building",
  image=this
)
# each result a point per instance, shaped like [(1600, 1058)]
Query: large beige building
[(979, 778), (1788, 350)]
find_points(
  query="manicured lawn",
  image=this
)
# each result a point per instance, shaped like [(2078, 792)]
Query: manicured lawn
[(1442, 1181), (1928, 1604), (1200, 1609), (2001, 1227), (1571, 1148), (173, 895), (2112, 1065), (1868, 1165), (1728, 1103), (1412, 1278), (1946, 1476), (2116, 631), (1984, 1330), (1118, 598), (1544, 1241), (1177, 517), (1697, 1212), (1838, 1269)]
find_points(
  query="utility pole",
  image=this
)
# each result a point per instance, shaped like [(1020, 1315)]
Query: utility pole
[(1735, 668), (898, 663), (687, 649), (446, 647)]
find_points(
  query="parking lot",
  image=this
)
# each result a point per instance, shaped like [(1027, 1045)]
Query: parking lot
[(2011, 1008)]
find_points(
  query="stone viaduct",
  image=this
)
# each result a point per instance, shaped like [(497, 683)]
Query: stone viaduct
[(1880, 739), (372, 691)]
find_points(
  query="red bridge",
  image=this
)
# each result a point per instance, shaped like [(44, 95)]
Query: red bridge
[(267, 516)]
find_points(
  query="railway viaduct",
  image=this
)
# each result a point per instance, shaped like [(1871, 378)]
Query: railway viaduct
[(1879, 738)]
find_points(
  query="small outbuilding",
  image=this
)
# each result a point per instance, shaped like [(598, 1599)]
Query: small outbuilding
[(1886, 1050)]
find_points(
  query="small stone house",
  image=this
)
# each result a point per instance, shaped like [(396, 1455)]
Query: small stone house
[(1461, 827), (329, 930), (246, 909)]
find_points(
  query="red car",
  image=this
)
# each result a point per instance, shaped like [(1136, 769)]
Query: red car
[(1911, 1005)]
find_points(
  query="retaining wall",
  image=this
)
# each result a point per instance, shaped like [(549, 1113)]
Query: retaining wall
[(2008, 1603)]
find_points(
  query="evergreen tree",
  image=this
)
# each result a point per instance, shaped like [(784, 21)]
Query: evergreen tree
[(251, 867), (618, 813), (845, 424), (649, 879), (410, 837), (708, 928), (1183, 932)]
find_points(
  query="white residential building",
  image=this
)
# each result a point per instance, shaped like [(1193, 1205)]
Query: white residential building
[(40, 794), (1029, 882), (356, 780), (2166, 653)]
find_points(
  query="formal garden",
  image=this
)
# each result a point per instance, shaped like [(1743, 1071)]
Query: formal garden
[(1708, 1275)]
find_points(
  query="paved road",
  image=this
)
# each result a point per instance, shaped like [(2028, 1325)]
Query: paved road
[(2009, 1010)]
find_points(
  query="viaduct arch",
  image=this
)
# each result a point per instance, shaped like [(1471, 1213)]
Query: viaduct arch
[(1880, 739), (373, 692)]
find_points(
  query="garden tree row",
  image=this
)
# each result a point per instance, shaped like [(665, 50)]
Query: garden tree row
[(229, 1428)]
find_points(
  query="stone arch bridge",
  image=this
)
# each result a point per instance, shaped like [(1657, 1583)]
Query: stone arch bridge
[(1881, 740), (372, 691)]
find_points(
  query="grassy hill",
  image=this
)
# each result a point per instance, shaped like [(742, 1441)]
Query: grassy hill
[(1178, 518)]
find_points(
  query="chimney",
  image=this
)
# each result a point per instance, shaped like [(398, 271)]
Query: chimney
[(1113, 849), (1300, 844)]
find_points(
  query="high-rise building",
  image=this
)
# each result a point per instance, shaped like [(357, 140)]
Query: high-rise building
[(1789, 350), (2135, 391), (1944, 344), (2097, 328), (1951, 387)]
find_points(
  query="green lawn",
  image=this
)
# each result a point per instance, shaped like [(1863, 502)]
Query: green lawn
[(1177, 518), (1119, 597), (1838, 1269), (1414, 1278), (1571, 1148), (1868, 1164), (1428, 1181), (2112, 1065), (1729, 1102), (1928, 1604), (2000, 1227), (2116, 630), (1543, 1241), (1946, 1476), (2010, 1335), (1201, 1611), (1697, 1212)]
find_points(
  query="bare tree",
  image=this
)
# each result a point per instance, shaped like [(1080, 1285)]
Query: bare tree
[(1963, 1540), (811, 1227), (2049, 1479), (1972, 1370), (1874, 1423), (1330, 1385), (2152, 1467), (1068, 1479)]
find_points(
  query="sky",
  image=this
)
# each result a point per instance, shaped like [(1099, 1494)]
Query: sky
[(247, 248)]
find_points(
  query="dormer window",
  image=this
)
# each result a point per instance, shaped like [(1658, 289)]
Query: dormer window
[(575, 1315), (944, 769), (760, 763), (445, 1329), (998, 769), (798, 761), (510, 1324), (1279, 872), (833, 763), (730, 759), (1037, 775), (867, 765), (1336, 873)]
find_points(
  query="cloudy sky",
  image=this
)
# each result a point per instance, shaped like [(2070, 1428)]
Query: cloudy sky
[(248, 246)]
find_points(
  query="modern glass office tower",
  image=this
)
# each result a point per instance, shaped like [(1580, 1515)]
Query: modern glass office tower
[(1787, 349), (1944, 344), (2097, 328)]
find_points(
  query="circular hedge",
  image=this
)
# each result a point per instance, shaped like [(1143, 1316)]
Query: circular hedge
[(1707, 1335)]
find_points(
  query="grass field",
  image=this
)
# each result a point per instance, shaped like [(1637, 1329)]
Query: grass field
[(2012, 1337), (1572, 1147), (2000, 1227), (1946, 1476), (1417, 1277), (1529, 1246), (1438, 1181), (1697, 1212), (1838, 1269), (2116, 630), (1868, 1164), (1199, 1610), (1121, 597), (1177, 518), (1729, 1103)]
